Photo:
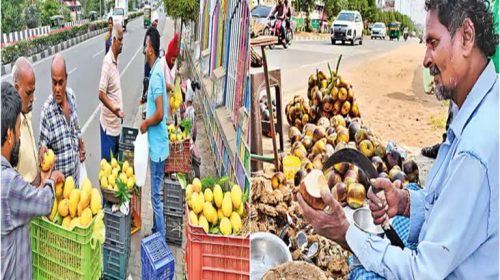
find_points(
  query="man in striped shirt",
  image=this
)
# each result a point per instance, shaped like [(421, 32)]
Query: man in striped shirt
[(60, 127)]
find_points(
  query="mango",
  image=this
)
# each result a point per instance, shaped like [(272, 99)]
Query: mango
[(225, 226), (74, 199), (86, 217), (236, 194), (69, 186), (236, 222), (49, 159), (95, 201), (227, 205), (63, 207), (218, 196), (196, 185)]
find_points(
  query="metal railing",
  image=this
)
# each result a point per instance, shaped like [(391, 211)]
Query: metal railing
[(12, 37)]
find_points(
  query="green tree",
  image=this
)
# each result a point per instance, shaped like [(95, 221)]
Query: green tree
[(32, 16), (186, 10), (91, 5), (50, 8), (66, 13), (12, 15), (333, 7), (306, 6)]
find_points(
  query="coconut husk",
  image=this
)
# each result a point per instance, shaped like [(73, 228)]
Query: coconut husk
[(296, 270)]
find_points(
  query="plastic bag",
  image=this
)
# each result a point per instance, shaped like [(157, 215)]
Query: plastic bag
[(141, 155), (83, 173)]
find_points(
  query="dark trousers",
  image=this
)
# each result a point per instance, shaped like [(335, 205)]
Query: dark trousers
[(109, 144)]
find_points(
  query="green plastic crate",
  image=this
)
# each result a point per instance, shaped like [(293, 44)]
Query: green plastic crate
[(62, 254)]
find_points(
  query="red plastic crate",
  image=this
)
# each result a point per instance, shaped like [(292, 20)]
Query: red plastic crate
[(210, 256), (179, 159), (135, 203)]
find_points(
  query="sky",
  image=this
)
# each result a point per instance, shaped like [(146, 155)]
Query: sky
[(412, 8)]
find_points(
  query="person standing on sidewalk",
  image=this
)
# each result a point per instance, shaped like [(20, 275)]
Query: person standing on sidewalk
[(147, 68), (60, 127), (152, 28), (156, 126), (23, 79), (110, 95), (108, 35), (21, 201), (170, 59)]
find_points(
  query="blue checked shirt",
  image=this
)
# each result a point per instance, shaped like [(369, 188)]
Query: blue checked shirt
[(60, 136), (20, 203), (454, 219)]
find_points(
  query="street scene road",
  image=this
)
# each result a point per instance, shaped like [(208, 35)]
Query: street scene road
[(307, 56), (83, 64)]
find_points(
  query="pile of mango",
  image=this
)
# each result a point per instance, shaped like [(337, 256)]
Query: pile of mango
[(216, 211), (114, 171), (175, 97), (176, 134), (75, 207)]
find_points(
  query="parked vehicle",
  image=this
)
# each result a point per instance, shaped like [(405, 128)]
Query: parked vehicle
[(56, 22), (348, 26), (379, 31), (120, 13), (260, 19), (93, 16)]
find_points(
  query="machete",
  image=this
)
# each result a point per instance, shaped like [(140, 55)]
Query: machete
[(356, 158)]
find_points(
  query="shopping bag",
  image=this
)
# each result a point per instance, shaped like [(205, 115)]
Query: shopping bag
[(141, 155), (83, 173)]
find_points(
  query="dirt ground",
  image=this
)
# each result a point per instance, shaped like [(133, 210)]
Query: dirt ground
[(392, 101)]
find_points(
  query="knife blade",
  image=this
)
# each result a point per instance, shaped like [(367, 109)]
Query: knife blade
[(356, 158)]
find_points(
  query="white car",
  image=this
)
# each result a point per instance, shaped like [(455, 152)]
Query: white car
[(379, 30), (348, 26)]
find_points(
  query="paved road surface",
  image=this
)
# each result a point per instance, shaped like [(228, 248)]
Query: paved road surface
[(302, 58)]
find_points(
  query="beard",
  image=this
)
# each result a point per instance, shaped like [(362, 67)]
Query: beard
[(14, 154), (442, 92)]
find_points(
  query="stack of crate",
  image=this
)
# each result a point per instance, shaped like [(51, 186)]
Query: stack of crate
[(116, 249), (173, 210)]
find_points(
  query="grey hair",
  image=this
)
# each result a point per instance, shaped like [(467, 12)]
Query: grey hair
[(452, 13), (58, 56), (22, 64), (116, 28)]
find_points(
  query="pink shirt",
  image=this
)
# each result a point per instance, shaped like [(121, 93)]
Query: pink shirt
[(169, 73), (110, 85)]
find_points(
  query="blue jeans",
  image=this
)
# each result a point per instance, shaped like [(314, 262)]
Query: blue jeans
[(109, 144), (157, 174)]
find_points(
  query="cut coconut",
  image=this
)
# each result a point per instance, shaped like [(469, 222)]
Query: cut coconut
[(311, 188)]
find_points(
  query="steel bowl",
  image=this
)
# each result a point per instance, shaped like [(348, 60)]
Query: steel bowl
[(267, 251), (363, 220)]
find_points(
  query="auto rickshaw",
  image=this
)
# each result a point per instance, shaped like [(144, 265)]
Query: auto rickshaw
[(92, 16), (394, 30), (56, 22), (147, 16)]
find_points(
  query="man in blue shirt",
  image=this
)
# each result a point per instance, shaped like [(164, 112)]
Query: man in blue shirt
[(454, 220), (156, 126)]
